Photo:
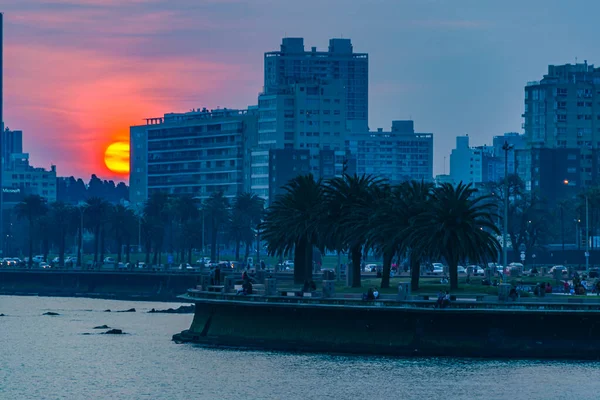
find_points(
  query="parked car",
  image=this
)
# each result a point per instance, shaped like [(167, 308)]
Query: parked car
[(38, 259), (371, 267), (477, 270), (438, 268), (185, 266), (44, 265), (561, 268), (109, 260), (461, 270)]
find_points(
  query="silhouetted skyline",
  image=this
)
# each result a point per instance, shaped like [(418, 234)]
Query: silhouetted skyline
[(78, 73)]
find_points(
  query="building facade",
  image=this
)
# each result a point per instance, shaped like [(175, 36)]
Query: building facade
[(398, 155), (562, 111), (22, 179), (308, 115), (12, 143), (292, 64), (195, 153)]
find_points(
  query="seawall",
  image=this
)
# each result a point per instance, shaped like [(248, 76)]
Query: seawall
[(399, 330), (121, 285)]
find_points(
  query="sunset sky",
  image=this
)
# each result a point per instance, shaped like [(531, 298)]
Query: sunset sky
[(78, 73)]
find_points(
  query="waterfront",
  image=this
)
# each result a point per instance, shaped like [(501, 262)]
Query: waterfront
[(45, 357)]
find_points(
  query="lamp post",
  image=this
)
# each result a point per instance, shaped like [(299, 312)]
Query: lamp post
[(506, 147), (587, 230), (82, 207)]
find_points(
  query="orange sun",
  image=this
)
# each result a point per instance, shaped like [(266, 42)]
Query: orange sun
[(116, 157)]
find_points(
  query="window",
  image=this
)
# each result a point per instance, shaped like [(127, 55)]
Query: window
[(326, 112), (336, 101), (336, 112), (562, 117), (579, 116), (580, 104)]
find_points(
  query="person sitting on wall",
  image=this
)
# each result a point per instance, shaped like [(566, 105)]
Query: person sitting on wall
[(375, 294), (440, 299), (369, 295), (513, 295), (446, 301), (312, 285), (566, 287), (548, 288), (598, 288)]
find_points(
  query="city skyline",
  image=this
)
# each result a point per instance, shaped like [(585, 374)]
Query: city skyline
[(87, 70)]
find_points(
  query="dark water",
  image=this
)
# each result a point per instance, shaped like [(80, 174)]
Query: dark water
[(44, 357)]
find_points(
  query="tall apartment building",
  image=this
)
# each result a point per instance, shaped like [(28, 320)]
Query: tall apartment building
[(397, 155), (562, 111), (12, 143), (308, 115), (21, 179), (292, 64), (197, 153)]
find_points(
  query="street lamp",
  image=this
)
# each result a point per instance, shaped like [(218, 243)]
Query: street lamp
[(82, 206), (587, 230), (201, 209), (506, 147)]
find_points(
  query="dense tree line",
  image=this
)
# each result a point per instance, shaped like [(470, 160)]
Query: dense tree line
[(164, 224), (73, 191), (358, 213)]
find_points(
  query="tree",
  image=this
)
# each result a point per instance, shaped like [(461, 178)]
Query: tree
[(217, 209), (31, 208), (392, 223), (292, 223), (344, 197), (123, 226), (96, 214), (458, 226), (246, 214), (62, 216), (185, 211), (156, 216)]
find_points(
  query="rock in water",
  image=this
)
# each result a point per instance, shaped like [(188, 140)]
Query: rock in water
[(181, 310), (114, 332), (106, 310), (130, 310), (2, 315), (102, 327), (50, 313)]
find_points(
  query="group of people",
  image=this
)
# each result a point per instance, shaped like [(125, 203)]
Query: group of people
[(246, 283), (372, 294), (443, 299)]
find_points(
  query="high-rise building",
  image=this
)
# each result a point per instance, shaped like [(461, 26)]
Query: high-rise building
[(12, 143), (562, 111), (397, 155), (21, 178), (516, 142), (309, 115), (198, 153), (292, 64)]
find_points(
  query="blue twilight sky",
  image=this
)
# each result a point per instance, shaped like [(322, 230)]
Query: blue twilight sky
[(79, 72)]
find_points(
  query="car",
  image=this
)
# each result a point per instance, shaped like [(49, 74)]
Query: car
[(289, 266), (38, 259), (561, 268), (56, 260), (287, 263), (109, 260), (44, 265), (185, 266), (461, 270), (477, 270), (371, 267)]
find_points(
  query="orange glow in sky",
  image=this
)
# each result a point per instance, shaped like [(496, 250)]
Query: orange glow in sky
[(78, 76)]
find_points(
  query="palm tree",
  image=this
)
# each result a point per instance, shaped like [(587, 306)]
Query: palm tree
[(379, 213), (31, 207), (344, 198), (246, 214), (122, 220), (96, 213), (458, 225), (414, 198), (292, 223), (156, 216), (217, 208), (185, 210), (62, 216)]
